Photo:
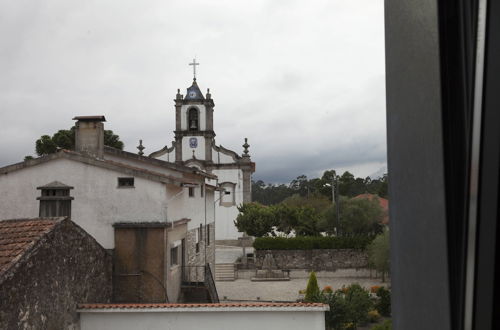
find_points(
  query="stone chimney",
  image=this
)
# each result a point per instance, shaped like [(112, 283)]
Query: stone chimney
[(89, 135)]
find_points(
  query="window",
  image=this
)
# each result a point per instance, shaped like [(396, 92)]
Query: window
[(208, 234), (174, 256), (191, 191), (125, 182), (193, 119)]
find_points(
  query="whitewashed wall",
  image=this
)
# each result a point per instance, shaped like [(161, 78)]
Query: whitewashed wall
[(187, 151), (224, 215), (207, 319), (98, 203)]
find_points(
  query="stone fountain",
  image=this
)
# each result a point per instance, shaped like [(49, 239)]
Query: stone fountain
[(270, 271)]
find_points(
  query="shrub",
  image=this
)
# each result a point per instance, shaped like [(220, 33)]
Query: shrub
[(359, 302), (387, 325), (311, 242), (349, 307), (373, 316), (379, 254), (312, 290), (383, 304)]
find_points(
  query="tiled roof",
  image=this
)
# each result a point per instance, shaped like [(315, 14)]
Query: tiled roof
[(19, 235), (219, 305)]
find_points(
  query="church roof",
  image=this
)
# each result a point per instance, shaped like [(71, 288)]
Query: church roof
[(194, 93)]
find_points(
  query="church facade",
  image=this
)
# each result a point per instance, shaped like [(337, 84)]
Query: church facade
[(195, 146)]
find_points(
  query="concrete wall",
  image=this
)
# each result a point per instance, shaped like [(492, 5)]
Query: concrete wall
[(214, 319), (325, 259), (68, 268), (98, 202)]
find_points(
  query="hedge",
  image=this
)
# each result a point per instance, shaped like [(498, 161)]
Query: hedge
[(311, 242)]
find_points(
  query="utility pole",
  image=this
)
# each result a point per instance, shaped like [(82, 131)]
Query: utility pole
[(337, 203)]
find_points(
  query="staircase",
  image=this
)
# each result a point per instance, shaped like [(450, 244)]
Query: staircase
[(224, 272)]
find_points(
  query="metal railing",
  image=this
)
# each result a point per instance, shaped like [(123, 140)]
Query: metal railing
[(200, 276)]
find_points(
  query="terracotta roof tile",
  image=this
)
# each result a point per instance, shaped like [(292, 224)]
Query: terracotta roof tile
[(219, 305), (19, 235)]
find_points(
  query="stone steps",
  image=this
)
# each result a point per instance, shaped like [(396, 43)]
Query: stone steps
[(224, 272)]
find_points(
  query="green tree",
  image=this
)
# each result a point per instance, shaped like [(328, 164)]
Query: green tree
[(255, 219), (312, 289), (357, 217), (379, 253), (65, 139)]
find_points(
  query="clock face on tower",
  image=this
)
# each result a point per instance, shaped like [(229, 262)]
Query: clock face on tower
[(192, 94)]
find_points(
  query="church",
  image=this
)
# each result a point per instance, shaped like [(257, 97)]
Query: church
[(194, 146)]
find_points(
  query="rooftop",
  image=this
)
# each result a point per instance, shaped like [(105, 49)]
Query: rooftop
[(164, 307), (19, 235)]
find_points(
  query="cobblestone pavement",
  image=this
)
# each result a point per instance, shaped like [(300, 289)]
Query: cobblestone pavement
[(244, 289)]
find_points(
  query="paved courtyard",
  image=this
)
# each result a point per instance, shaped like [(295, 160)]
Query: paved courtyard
[(246, 290)]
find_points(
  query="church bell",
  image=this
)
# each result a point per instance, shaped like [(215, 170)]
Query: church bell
[(193, 124)]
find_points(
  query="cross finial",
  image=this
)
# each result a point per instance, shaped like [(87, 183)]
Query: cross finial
[(141, 148), (194, 64)]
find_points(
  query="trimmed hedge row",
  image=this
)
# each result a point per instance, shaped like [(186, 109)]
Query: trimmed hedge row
[(311, 243)]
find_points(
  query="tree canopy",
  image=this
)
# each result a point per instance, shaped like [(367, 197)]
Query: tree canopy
[(348, 186), (65, 139)]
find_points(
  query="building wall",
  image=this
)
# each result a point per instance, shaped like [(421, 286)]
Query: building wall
[(98, 203), (217, 320), (196, 258), (68, 268), (226, 215), (174, 273), (187, 151)]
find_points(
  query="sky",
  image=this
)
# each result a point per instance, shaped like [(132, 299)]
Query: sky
[(302, 80)]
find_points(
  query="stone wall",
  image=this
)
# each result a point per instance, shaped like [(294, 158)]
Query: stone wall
[(315, 259), (196, 258), (65, 268)]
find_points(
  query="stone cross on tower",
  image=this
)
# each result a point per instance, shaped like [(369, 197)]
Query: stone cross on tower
[(194, 64)]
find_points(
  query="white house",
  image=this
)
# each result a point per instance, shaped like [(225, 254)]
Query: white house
[(195, 146), (105, 190)]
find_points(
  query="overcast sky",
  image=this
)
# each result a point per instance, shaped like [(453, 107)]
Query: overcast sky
[(302, 80)]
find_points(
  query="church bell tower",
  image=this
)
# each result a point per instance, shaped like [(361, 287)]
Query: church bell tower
[(194, 129)]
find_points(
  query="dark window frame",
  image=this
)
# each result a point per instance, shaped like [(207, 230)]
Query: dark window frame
[(126, 182)]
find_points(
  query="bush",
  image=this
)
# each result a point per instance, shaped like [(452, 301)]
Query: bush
[(373, 316), (311, 242), (349, 307), (312, 289), (387, 325), (383, 304)]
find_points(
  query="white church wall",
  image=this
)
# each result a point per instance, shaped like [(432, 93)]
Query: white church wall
[(216, 318), (202, 116), (97, 204), (221, 158), (225, 215), (187, 151)]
